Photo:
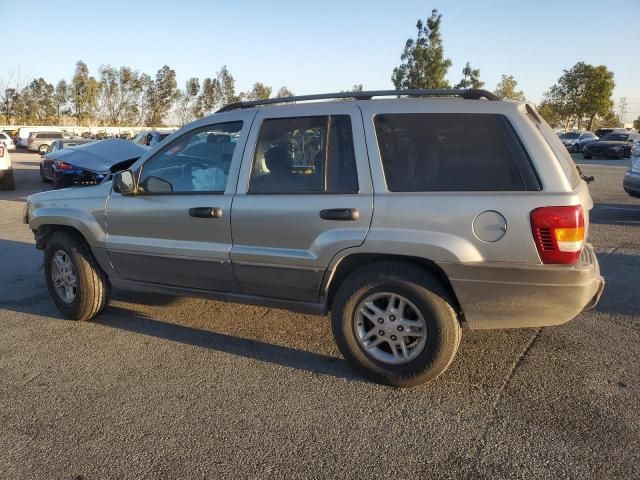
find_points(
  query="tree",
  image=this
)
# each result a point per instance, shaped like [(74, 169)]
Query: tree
[(38, 102), (60, 98), (582, 93), (551, 113), (11, 89), (226, 85), (187, 108), (470, 78), (161, 95), (284, 92), (636, 124), (506, 89), (423, 63), (120, 90), (84, 93), (259, 91), (611, 119)]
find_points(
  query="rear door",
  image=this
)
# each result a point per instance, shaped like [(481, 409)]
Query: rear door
[(177, 230), (304, 194)]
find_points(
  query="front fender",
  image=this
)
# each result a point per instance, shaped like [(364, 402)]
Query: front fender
[(81, 208)]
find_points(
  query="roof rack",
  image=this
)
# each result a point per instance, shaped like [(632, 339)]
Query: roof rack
[(468, 94)]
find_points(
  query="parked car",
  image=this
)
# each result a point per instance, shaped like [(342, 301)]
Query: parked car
[(412, 217), (150, 139), (6, 170), (7, 141), (612, 145), (631, 182), (89, 162), (47, 173), (85, 135), (575, 141), (41, 141)]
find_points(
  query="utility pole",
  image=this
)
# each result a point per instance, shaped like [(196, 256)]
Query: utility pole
[(623, 109)]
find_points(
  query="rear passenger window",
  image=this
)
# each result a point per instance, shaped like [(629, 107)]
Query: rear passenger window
[(305, 155), (430, 152)]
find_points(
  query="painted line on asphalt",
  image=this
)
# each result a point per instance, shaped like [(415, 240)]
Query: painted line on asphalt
[(618, 208)]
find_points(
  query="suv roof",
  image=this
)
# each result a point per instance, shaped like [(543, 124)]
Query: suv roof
[(467, 94)]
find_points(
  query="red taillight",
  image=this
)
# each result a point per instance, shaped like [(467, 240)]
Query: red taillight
[(64, 165), (559, 233), (29, 140)]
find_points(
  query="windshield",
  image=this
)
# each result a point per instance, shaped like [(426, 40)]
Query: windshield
[(569, 135), (616, 137)]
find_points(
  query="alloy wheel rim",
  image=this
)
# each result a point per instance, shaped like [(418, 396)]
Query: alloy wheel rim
[(390, 328), (63, 276)]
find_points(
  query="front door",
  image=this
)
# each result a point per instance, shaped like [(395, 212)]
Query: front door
[(304, 194), (177, 229)]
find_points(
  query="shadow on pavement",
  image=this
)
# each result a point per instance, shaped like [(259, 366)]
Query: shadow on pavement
[(615, 214), (316, 363)]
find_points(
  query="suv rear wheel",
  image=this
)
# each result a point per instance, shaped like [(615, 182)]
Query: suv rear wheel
[(393, 322), (44, 148), (77, 284)]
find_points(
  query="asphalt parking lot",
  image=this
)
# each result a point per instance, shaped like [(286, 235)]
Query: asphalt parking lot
[(163, 387)]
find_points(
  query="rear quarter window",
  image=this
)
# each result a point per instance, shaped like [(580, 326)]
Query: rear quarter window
[(427, 152)]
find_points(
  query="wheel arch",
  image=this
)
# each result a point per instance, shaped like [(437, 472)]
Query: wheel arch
[(351, 263), (45, 231)]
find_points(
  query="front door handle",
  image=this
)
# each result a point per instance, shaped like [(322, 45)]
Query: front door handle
[(205, 212), (340, 214)]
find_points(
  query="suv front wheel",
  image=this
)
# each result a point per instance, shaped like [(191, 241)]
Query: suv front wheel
[(393, 321), (77, 284)]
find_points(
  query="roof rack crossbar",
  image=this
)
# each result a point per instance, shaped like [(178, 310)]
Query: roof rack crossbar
[(468, 94)]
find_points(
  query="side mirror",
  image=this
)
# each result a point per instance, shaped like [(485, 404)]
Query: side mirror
[(124, 183)]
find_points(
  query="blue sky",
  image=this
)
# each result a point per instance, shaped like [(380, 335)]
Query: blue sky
[(324, 45)]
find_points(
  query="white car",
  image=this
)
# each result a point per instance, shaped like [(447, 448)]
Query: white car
[(6, 172), (6, 140)]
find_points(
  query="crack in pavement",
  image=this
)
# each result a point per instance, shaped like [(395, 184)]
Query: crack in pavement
[(494, 407)]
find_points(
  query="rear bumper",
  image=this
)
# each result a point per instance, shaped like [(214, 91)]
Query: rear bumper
[(631, 183), (516, 296)]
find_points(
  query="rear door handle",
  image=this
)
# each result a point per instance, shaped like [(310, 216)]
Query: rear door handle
[(340, 214), (205, 212)]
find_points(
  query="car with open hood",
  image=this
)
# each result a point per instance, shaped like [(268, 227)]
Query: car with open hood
[(614, 145), (88, 162)]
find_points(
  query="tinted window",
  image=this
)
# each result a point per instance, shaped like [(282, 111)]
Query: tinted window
[(305, 155), (450, 152), (616, 137), (197, 161)]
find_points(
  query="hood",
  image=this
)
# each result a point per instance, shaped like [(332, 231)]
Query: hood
[(99, 156)]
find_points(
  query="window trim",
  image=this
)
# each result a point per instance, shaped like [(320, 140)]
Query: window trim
[(512, 142), (327, 117), (139, 172)]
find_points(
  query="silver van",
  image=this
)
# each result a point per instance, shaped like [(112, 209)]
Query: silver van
[(407, 218)]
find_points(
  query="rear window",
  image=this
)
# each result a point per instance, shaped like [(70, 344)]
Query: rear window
[(427, 152)]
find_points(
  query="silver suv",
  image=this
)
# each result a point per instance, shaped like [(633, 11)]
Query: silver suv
[(407, 218)]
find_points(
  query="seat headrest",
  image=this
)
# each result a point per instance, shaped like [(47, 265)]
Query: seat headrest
[(215, 138), (277, 159)]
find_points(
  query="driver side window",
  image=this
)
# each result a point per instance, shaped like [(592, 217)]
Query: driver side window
[(198, 161)]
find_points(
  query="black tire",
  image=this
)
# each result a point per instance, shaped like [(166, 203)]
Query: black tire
[(8, 181), (44, 148), (586, 157), (42, 177), (426, 293), (93, 288)]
